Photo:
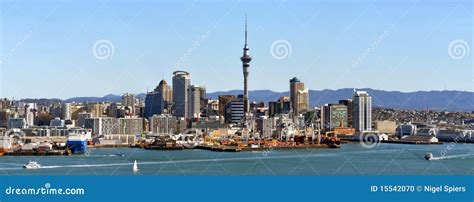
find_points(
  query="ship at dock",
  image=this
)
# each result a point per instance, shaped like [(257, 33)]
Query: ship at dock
[(5, 144), (77, 143)]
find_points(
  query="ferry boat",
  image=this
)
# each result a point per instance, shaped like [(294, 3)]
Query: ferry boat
[(32, 165), (77, 143)]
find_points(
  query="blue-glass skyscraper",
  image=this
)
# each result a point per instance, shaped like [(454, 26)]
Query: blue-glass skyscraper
[(153, 104)]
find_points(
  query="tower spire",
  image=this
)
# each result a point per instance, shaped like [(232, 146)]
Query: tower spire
[(246, 30)]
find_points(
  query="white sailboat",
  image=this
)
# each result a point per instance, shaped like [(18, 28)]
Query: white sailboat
[(135, 167)]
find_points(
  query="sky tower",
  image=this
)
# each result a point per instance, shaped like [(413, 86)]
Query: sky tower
[(245, 65)]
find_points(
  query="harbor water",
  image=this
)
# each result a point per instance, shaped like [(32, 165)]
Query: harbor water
[(351, 159)]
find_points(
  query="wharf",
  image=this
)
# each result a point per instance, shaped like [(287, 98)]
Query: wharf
[(302, 146), (38, 153), (265, 148), (219, 148), (410, 142)]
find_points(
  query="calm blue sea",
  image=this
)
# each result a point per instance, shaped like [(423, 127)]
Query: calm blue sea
[(351, 159)]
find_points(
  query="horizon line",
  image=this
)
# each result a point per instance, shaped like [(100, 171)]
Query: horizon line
[(223, 91)]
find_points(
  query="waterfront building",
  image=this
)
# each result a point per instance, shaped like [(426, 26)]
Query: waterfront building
[(162, 124), (299, 96), (387, 127), (102, 125), (350, 111), (130, 126), (181, 83), (406, 130), (19, 123), (362, 114), (333, 115)]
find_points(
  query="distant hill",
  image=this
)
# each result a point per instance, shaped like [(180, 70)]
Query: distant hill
[(435, 100), (107, 98)]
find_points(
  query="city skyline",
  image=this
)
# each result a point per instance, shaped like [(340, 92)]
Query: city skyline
[(37, 51)]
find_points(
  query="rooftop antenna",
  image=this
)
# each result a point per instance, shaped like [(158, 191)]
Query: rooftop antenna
[(246, 29)]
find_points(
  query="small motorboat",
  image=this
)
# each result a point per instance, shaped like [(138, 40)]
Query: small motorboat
[(32, 165), (119, 154), (428, 156), (135, 167)]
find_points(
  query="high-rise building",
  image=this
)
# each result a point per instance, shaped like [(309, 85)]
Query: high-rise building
[(66, 111), (245, 65), (265, 126), (158, 101), (362, 111), (181, 83), (81, 119), (194, 101), (28, 111), (129, 102), (299, 96), (235, 110), (153, 104), (128, 99), (333, 116), (96, 109), (284, 105), (350, 111), (223, 100), (167, 94), (56, 110)]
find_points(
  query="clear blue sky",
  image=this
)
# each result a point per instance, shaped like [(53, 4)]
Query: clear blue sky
[(46, 46)]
